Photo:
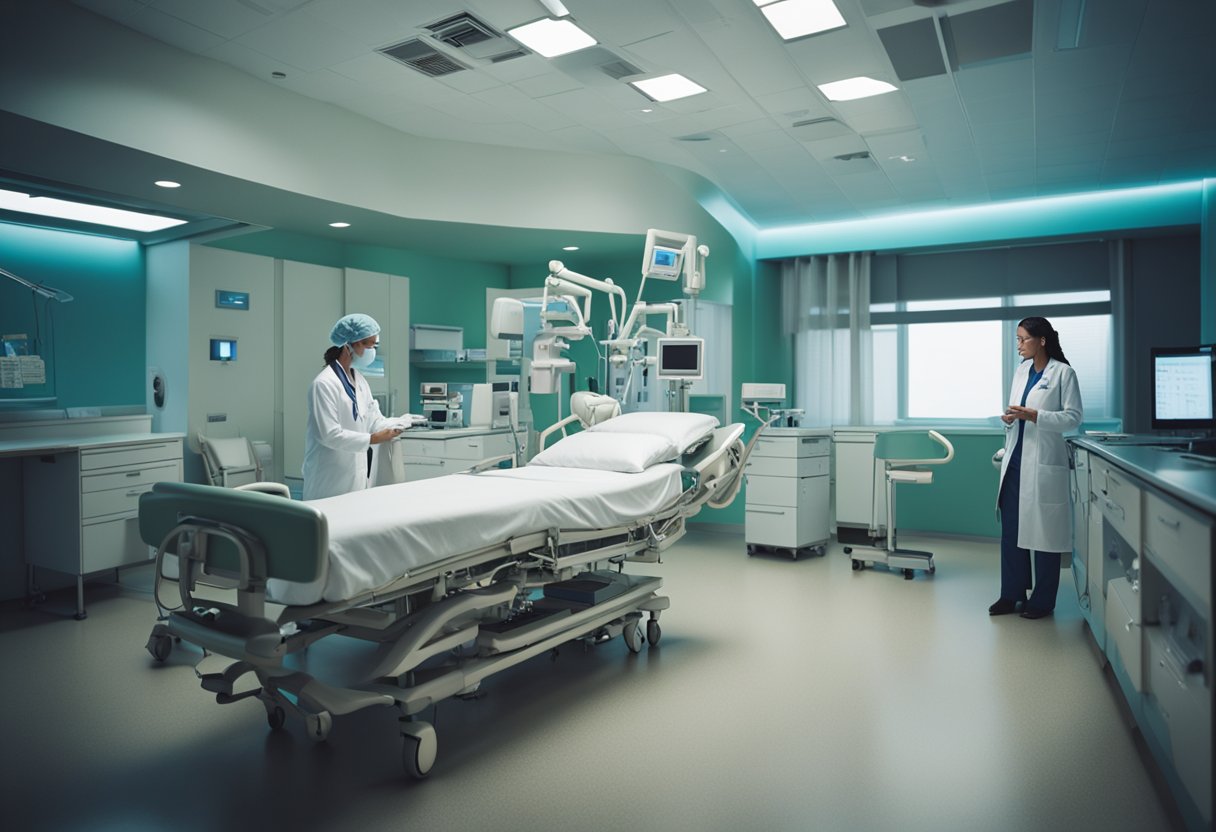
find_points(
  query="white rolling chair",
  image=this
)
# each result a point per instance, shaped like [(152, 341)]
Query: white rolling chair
[(232, 463), (906, 460)]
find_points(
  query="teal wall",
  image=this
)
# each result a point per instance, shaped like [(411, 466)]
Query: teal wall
[(98, 337), (962, 497)]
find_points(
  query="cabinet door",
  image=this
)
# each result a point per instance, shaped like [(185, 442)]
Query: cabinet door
[(312, 302), (857, 476), (386, 297)]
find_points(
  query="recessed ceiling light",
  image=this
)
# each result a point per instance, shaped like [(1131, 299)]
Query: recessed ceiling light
[(799, 18), (64, 209), (551, 38), (851, 88), (648, 109), (668, 87), (903, 157), (569, 248), (167, 183), (339, 225)]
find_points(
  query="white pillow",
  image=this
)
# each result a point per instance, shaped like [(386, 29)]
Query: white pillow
[(683, 430), (607, 452)]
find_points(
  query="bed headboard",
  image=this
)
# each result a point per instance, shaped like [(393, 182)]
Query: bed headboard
[(295, 535)]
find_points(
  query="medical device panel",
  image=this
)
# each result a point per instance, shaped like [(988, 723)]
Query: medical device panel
[(681, 359), (223, 349)]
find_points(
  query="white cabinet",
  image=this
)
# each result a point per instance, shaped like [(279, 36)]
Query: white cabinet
[(787, 490), (858, 503), (82, 507), (423, 454)]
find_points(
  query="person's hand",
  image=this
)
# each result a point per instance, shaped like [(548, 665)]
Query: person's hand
[(1008, 418), (1028, 414), (386, 435)]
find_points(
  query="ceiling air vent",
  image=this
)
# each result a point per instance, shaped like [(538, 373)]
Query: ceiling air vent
[(618, 69), (814, 129), (462, 30), (421, 56), (475, 38), (853, 157)]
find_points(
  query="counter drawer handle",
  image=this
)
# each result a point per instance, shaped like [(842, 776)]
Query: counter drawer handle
[(764, 511), (1170, 524), (134, 473), (135, 493)]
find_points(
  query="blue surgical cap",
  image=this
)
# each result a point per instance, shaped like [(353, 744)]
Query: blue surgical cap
[(352, 328)]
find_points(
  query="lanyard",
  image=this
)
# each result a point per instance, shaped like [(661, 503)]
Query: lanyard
[(347, 386)]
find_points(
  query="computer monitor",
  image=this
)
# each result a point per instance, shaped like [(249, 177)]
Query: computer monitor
[(1184, 379), (681, 359)]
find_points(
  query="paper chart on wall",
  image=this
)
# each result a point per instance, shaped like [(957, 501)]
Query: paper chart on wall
[(33, 369), (10, 373)]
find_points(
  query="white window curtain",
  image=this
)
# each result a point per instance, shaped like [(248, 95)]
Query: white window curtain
[(826, 308)]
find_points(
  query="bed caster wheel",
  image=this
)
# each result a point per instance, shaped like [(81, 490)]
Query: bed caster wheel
[(318, 726), (633, 637), (908, 574), (276, 717), (160, 644), (419, 747), (856, 566), (653, 632), (848, 550)]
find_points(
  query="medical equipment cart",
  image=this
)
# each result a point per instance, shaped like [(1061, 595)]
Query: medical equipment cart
[(787, 491)]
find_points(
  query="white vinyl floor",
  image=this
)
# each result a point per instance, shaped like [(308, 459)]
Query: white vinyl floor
[(784, 694)]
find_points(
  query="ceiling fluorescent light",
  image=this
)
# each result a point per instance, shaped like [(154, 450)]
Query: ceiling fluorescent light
[(552, 37), (851, 88), (82, 212), (799, 18), (668, 87)]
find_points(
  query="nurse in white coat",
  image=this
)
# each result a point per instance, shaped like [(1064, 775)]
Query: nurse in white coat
[(1033, 501), (344, 420)]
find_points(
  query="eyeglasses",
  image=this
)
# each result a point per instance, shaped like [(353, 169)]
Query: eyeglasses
[(1022, 340)]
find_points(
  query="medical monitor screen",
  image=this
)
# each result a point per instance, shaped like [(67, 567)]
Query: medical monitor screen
[(1183, 382), (681, 359), (223, 349), (664, 263)]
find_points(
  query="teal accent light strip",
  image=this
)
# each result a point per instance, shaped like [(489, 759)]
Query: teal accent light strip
[(1158, 206)]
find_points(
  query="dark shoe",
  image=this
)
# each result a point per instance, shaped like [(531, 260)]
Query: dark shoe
[(1003, 606), (1032, 613)]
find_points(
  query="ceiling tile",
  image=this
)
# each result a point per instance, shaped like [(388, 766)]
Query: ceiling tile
[(551, 83), (226, 18), (753, 54), (304, 41)]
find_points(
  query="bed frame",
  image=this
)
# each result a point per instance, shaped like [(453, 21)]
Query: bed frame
[(440, 629)]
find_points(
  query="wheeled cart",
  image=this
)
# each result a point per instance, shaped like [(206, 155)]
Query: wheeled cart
[(787, 492)]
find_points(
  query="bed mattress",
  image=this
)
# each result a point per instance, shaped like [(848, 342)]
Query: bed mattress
[(382, 534)]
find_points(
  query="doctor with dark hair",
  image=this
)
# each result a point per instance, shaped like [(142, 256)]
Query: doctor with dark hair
[(1033, 500)]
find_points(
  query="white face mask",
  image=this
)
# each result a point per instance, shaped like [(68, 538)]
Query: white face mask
[(364, 360)]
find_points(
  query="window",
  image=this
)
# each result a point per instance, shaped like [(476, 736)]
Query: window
[(912, 353)]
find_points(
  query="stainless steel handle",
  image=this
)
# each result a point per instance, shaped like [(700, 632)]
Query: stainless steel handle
[(134, 473), (1169, 524), (764, 511)]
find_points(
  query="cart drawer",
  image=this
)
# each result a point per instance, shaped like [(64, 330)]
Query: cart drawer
[(476, 448), (795, 446), (112, 543), (774, 466), (1185, 704), (94, 458), (1119, 498), (145, 475)]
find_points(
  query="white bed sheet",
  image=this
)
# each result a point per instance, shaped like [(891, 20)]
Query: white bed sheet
[(381, 534)]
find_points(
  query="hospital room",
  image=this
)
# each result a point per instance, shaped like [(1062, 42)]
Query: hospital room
[(569, 414)]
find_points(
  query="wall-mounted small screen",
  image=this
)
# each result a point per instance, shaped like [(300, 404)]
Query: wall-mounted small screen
[(681, 359), (223, 349), (225, 299)]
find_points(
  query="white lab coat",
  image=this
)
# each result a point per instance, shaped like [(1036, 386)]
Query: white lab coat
[(1044, 508), (335, 443)]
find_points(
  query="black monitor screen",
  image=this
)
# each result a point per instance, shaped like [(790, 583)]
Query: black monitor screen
[(681, 358), (1183, 382)]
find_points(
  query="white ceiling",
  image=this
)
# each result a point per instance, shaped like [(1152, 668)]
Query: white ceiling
[(1134, 103)]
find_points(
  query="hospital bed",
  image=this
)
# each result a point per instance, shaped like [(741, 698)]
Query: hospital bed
[(453, 579)]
